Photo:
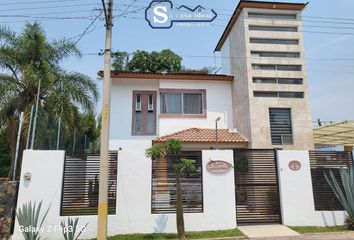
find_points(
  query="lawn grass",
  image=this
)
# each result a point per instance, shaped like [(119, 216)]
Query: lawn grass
[(189, 235), (310, 229)]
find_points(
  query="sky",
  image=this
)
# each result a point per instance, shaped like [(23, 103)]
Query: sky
[(328, 34)]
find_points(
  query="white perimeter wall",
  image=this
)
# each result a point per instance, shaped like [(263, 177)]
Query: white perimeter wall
[(134, 195), (297, 203)]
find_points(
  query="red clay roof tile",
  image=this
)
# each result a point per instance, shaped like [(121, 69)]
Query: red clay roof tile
[(204, 135)]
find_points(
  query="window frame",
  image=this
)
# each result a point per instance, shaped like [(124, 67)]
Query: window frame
[(274, 41), (263, 28), (184, 115), (291, 126), (272, 16), (144, 109), (278, 81)]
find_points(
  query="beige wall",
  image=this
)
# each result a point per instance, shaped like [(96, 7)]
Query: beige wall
[(251, 114)]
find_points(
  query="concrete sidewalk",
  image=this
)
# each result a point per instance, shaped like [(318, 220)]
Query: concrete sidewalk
[(269, 230)]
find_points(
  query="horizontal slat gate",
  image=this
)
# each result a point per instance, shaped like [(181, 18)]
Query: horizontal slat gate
[(163, 190), (322, 162), (256, 182), (80, 184)]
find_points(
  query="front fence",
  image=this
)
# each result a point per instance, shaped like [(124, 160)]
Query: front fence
[(163, 191), (321, 163), (80, 184)]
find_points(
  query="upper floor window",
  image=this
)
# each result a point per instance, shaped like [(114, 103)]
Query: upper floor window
[(277, 80), (275, 54), (276, 67), (280, 126), (275, 94), (144, 113), (274, 41), (272, 28), (280, 16), (183, 103)]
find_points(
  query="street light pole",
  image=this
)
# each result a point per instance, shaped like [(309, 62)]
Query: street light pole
[(217, 133), (103, 177), (36, 113)]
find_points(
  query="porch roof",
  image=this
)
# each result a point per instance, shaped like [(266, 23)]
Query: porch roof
[(340, 133), (204, 135)]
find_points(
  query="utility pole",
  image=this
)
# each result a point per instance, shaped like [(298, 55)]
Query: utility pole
[(103, 177)]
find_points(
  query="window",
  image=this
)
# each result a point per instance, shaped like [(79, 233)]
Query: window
[(272, 28), (278, 80), (144, 113), (275, 54), (280, 126), (276, 67), (289, 67), (265, 94), (271, 15), (291, 94), (183, 103), (163, 189), (278, 94), (274, 41), (263, 67), (290, 81)]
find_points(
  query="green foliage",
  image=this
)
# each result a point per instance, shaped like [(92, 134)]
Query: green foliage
[(345, 195), (186, 165), (25, 59), (120, 60), (28, 218), (174, 147), (5, 157), (316, 229), (70, 229), (143, 61), (156, 151), (190, 235)]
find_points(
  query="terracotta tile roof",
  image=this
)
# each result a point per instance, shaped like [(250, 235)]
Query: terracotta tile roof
[(204, 135)]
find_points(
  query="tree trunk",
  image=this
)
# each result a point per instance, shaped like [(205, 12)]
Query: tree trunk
[(179, 208)]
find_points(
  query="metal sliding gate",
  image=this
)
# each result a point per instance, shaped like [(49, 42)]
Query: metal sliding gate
[(256, 182)]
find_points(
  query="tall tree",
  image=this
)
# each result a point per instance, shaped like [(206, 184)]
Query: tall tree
[(143, 61), (120, 60), (25, 59)]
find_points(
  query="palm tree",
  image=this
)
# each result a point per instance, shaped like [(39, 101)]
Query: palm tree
[(161, 151), (25, 59)]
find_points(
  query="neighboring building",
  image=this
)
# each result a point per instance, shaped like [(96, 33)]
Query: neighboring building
[(263, 47)]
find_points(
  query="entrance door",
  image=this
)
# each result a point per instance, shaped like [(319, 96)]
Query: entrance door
[(256, 182)]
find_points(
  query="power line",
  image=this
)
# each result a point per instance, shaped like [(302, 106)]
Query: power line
[(87, 28), (60, 6), (35, 2)]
